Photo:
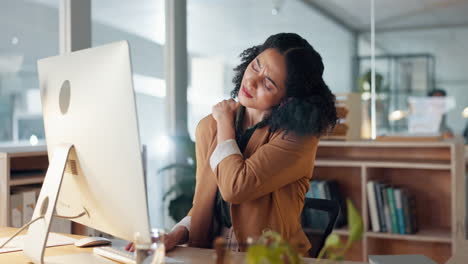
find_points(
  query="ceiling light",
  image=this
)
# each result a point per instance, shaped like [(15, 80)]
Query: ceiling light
[(14, 41), (276, 6), (397, 115)]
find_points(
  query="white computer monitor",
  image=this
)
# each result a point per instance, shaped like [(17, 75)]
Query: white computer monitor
[(88, 105)]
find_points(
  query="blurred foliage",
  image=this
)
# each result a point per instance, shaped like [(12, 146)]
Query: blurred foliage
[(271, 248), (364, 83), (334, 248), (184, 173)]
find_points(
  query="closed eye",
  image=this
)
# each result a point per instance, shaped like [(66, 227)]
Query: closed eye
[(267, 86), (255, 67)]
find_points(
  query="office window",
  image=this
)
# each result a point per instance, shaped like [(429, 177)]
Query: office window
[(29, 32), (218, 31), (141, 23), (419, 49)]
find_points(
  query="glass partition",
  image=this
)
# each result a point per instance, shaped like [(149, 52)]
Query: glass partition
[(419, 53), (142, 24), (218, 31)]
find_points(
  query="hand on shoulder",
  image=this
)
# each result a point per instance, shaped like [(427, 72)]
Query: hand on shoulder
[(225, 110)]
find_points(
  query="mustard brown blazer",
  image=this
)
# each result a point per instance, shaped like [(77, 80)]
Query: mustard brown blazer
[(266, 186)]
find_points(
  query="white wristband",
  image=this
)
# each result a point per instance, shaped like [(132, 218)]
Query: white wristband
[(184, 222), (224, 149)]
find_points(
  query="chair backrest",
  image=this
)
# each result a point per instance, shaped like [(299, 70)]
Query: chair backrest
[(318, 219)]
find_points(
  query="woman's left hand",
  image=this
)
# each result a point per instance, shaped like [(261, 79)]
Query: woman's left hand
[(225, 110)]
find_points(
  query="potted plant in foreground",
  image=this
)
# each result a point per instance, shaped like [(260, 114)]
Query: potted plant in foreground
[(271, 248)]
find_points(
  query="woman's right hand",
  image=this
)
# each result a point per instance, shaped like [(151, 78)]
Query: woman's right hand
[(175, 237)]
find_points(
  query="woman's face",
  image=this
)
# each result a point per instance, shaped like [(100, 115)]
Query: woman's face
[(263, 83)]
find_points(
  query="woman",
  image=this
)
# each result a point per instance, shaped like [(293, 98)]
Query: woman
[(255, 157)]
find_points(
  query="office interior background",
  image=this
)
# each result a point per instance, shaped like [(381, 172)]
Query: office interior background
[(420, 45)]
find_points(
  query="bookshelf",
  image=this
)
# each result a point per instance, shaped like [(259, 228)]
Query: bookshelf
[(25, 167), (428, 170), (348, 109), (20, 166)]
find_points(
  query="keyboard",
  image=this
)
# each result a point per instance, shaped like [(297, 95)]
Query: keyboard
[(116, 253)]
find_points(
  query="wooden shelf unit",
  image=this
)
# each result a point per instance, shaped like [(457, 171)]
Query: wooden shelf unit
[(26, 166), (349, 112), (19, 166), (428, 170)]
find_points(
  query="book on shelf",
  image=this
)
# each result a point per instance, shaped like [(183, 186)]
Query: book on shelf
[(399, 211), (393, 213), (22, 203), (391, 209), (29, 203), (406, 212), (386, 208), (373, 206), (412, 220), (379, 202), (16, 210)]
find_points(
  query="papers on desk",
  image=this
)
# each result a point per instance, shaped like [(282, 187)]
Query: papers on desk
[(427, 113), (17, 244)]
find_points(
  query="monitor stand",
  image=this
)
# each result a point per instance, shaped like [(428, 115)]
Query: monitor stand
[(64, 159), (38, 231)]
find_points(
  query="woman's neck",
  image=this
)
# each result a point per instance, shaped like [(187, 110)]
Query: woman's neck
[(253, 116)]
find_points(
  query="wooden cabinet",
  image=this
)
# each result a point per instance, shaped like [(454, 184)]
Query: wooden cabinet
[(428, 170), (349, 113), (19, 167), (23, 168)]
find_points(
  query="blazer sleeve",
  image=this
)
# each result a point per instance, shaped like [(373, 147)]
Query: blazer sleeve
[(283, 160), (202, 136)]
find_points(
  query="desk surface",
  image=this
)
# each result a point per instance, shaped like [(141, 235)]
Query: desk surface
[(186, 254)]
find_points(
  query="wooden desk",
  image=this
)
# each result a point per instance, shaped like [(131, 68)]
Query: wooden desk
[(185, 254), (19, 257), (201, 256)]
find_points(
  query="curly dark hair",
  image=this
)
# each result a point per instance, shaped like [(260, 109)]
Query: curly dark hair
[(309, 105)]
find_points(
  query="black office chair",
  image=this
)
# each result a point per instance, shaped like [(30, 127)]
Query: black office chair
[(318, 219)]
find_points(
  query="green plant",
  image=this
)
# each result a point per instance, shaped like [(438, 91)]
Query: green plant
[(184, 188), (271, 248), (364, 83), (334, 248)]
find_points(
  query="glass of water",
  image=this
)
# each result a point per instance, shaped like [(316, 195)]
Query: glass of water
[(158, 250)]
